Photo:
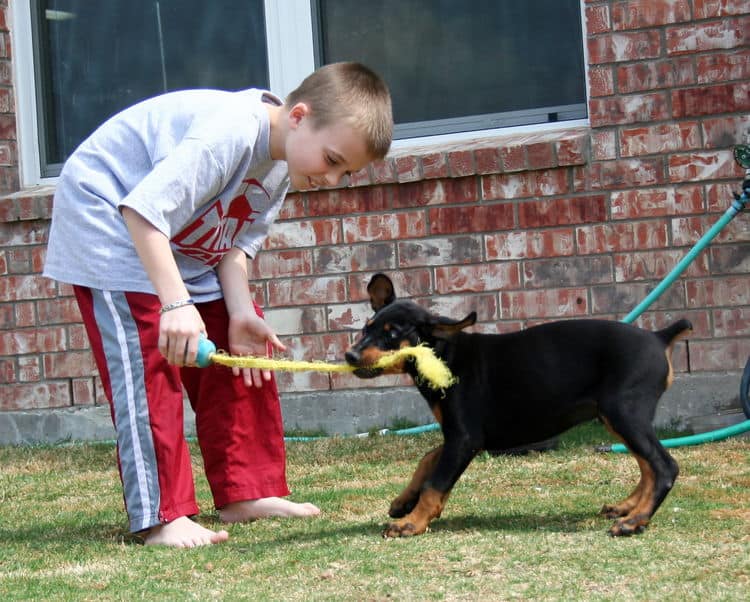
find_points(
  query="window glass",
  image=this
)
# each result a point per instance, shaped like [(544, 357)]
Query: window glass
[(463, 65), (93, 59)]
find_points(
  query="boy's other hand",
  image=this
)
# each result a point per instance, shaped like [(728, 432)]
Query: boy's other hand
[(251, 335)]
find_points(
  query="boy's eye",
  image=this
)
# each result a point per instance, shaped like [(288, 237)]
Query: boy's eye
[(330, 160)]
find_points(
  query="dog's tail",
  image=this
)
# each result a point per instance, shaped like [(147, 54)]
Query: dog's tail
[(677, 330)]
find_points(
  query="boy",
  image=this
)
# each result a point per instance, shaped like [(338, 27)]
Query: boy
[(153, 219)]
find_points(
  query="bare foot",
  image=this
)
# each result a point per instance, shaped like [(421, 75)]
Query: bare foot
[(237, 512), (183, 533)]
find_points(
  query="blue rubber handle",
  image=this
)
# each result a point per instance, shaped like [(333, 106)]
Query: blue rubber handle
[(206, 349)]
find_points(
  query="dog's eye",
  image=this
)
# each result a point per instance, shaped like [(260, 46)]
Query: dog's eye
[(394, 334)]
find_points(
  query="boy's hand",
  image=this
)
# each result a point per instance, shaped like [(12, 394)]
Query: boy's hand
[(179, 331), (249, 334)]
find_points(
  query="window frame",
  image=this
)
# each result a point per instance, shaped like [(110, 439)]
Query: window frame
[(292, 52)]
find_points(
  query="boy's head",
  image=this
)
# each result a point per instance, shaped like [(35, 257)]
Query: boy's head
[(350, 94)]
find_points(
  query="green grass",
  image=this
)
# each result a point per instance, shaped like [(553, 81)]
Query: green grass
[(515, 527)]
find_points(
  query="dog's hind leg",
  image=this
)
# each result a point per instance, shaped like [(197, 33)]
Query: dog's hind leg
[(658, 474), (407, 499)]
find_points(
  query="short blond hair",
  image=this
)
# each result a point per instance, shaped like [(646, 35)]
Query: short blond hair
[(353, 93)]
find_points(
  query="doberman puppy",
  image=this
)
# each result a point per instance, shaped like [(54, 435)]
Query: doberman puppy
[(523, 387)]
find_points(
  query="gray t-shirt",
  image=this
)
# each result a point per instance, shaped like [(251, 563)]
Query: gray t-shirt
[(196, 164)]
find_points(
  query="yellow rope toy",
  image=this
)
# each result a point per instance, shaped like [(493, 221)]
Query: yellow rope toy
[(429, 366)]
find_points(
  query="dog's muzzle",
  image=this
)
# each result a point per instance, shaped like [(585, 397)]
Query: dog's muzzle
[(354, 359)]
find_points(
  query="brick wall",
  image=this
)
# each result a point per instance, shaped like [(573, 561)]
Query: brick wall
[(520, 228)]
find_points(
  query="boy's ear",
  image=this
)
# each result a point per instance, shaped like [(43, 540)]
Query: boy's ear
[(297, 113)]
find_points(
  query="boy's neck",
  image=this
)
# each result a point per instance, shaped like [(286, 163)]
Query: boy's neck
[(277, 134)]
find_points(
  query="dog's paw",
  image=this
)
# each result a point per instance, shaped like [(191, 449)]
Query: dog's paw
[(613, 511), (628, 526), (401, 529)]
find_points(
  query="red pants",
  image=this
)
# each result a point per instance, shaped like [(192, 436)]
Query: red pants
[(240, 429)]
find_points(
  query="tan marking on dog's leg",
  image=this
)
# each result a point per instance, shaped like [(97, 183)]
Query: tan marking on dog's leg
[(431, 503), (670, 373), (625, 506), (638, 518), (407, 498)]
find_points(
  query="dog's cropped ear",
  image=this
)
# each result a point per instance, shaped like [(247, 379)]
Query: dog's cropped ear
[(445, 327), (380, 289)]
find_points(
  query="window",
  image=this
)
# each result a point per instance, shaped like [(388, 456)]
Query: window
[(456, 66), (451, 66)]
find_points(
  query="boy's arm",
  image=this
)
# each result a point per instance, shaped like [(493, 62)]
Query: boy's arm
[(180, 328), (248, 333)]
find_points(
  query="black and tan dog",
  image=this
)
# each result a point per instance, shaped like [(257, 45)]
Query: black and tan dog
[(519, 388)]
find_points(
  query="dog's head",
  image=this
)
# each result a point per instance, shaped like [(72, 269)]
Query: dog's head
[(397, 324)]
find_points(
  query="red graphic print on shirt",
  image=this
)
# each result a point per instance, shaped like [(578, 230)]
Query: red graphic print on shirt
[(209, 236)]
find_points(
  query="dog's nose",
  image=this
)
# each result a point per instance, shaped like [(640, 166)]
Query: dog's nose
[(352, 357)]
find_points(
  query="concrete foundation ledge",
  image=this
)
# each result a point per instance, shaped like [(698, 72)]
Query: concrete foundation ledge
[(357, 411)]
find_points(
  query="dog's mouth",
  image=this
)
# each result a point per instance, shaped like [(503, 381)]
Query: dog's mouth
[(364, 363)]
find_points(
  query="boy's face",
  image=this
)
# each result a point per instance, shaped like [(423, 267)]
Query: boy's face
[(321, 157)]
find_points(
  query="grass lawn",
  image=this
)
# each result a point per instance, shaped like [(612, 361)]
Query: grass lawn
[(520, 527)]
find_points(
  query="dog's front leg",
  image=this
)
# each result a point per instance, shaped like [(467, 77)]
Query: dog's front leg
[(452, 460), (407, 499)]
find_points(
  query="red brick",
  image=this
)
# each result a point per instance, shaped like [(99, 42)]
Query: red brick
[(301, 291), (619, 47), (8, 371), (435, 165), (597, 19), (655, 265), (461, 163), (552, 303), (605, 238), (655, 75), (487, 160), (389, 226), (603, 145), (439, 251), (84, 392), (32, 340), (408, 168), (572, 150), (714, 35), (541, 155), (478, 278), (508, 186), (344, 201), (513, 158), (734, 322), (724, 132), (660, 139), (656, 202), (721, 356), (639, 14), (69, 365), (556, 212), (717, 67), (304, 234), (61, 310), (35, 396), (711, 100), (718, 292), (29, 370), (707, 9), (703, 166), (34, 286), (463, 219), (280, 264), (530, 244), (383, 171), (628, 109)]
